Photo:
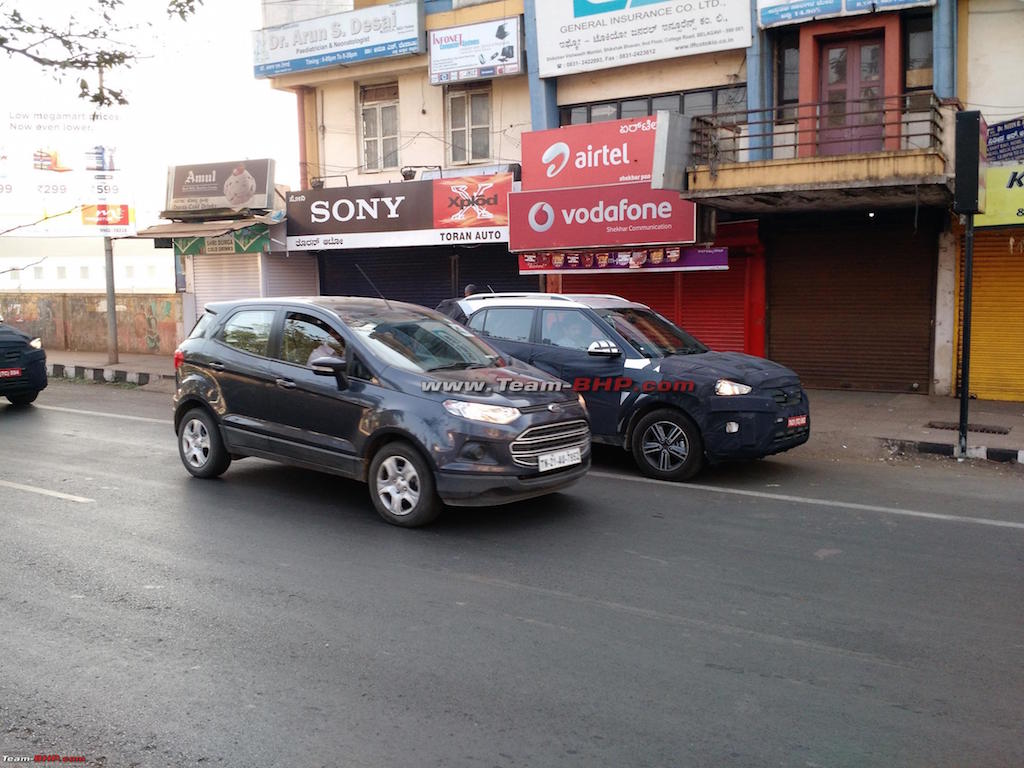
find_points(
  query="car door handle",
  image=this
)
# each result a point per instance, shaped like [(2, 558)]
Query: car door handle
[(285, 383), (217, 366)]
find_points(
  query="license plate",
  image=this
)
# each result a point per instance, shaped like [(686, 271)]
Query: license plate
[(548, 461), (796, 421), (10, 373)]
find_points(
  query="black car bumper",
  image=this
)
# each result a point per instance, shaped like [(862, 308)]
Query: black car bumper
[(749, 427), (31, 376), (481, 490)]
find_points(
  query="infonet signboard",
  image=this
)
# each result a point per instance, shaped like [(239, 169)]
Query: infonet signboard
[(599, 217), (457, 210), (614, 152)]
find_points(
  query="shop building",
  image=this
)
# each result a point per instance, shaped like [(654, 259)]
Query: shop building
[(398, 94)]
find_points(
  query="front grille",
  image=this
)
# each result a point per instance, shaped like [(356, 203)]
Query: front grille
[(544, 406), (11, 351), (547, 438), (788, 396), (790, 434)]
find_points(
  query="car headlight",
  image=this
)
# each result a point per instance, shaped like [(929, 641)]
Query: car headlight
[(492, 414), (36, 343), (726, 387), (583, 403)]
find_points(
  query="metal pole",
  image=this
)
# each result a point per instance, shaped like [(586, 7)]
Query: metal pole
[(965, 333), (108, 252)]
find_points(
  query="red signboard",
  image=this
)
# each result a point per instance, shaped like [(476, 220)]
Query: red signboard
[(472, 201), (614, 152), (597, 217)]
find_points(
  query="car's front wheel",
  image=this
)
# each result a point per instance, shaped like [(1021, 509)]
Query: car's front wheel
[(667, 445), (200, 445), (402, 486), (23, 398)]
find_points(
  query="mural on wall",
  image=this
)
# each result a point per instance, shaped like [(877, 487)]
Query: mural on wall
[(146, 324)]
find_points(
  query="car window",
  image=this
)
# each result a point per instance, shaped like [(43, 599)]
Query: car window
[(306, 338), (477, 321), (249, 331), (513, 324), (202, 326), (650, 333), (569, 328)]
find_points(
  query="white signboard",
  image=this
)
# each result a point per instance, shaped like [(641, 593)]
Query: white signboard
[(586, 35), (376, 32), (476, 52), (65, 169), (772, 13)]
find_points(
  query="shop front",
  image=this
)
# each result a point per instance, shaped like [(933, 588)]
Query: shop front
[(997, 308), (588, 219), (416, 241)]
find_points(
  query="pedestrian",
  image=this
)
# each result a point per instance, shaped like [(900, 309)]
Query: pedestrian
[(451, 308)]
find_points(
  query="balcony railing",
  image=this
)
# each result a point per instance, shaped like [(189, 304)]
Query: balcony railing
[(910, 121)]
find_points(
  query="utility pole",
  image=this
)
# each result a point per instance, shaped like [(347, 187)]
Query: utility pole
[(108, 254)]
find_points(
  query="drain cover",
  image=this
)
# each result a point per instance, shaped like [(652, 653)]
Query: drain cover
[(987, 429)]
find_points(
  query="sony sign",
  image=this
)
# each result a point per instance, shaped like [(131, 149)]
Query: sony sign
[(360, 210)]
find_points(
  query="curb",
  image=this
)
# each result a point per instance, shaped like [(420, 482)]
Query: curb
[(112, 375), (1004, 455)]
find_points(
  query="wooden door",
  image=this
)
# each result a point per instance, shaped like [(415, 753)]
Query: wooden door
[(852, 115)]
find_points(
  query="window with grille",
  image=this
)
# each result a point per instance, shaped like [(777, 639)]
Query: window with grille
[(727, 102), (469, 124), (379, 107)]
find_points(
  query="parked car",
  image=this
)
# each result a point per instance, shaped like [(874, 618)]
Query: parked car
[(388, 393), (649, 386), (22, 365)]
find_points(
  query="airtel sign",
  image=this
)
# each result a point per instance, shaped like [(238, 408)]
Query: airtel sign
[(615, 152)]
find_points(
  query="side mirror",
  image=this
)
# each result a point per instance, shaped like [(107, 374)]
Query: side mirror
[(331, 366), (603, 348)]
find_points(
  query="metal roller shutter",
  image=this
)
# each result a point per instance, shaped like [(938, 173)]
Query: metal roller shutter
[(225, 277), (714, 306), (850, 305), (417, 275), (656, 291), (997, 315), (493, 267), (294, 275)]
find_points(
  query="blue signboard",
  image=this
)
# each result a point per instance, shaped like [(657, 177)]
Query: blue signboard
[(398, 48), (1006, 141), (772, 13)]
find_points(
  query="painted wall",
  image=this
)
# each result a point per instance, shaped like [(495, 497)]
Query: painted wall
[(146, 324), (995, 29), (77, 264)]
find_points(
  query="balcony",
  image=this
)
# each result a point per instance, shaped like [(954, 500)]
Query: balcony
[(880, 152)]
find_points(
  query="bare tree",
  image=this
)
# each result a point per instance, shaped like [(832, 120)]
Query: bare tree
[(86, 44)]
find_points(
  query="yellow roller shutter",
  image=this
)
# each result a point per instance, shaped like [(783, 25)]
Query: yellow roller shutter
[(997, 317)]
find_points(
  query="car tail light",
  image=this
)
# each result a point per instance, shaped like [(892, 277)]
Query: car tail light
[(179, 359)]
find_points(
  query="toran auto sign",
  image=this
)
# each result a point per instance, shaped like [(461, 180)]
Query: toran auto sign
[(615, 152), (599, 217), (463, 209)]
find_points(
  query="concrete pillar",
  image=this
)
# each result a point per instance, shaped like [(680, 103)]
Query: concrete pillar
[(543, 93), (943, 364), (944, 49), (760, 88)]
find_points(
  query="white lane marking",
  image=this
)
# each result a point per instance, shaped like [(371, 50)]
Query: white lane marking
[(818, 502), (45, 492), (101, 413)]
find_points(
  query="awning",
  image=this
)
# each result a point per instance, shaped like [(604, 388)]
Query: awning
[(203, 228)]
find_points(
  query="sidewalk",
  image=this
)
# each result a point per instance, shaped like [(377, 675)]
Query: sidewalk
[(844, 421)]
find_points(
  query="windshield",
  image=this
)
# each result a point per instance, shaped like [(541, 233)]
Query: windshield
[(420, 342), (649, 333)]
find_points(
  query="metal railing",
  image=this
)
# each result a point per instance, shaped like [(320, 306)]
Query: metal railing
[(909, 121)]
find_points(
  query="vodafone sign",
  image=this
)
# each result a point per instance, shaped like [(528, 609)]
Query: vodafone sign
[(615, 152), (598, 217)]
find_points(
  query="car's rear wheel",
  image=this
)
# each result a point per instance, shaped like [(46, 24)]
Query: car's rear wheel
[(23, 398), (402, 486), (667, 445), (200, 445)]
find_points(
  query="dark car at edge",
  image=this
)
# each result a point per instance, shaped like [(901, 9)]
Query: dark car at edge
[(22, 365), (373, 390)]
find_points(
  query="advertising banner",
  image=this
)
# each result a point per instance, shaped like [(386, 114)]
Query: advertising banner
[(475, 52), (589, 35), (664, 259), (1004, 192), (1006, 141), (64, 168), (613, 152), (596, 217), (376, 32), (210, 186), (452, 210), (772, 13)]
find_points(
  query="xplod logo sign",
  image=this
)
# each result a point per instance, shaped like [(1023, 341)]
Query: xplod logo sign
[(582, 8), (474, 202)]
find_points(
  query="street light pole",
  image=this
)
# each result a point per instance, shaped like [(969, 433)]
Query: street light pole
[(108, 253)]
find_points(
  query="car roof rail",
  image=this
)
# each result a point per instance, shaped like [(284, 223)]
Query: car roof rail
[(545, 296)]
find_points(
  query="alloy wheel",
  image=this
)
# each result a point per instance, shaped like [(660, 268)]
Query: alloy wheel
[(665, 446), (195, 443), (398, 485)]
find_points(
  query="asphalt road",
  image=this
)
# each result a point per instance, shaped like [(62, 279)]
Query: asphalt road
[(798, 611)]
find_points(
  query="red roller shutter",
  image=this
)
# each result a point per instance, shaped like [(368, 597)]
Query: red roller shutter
[(714, 306), (656, 291)]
